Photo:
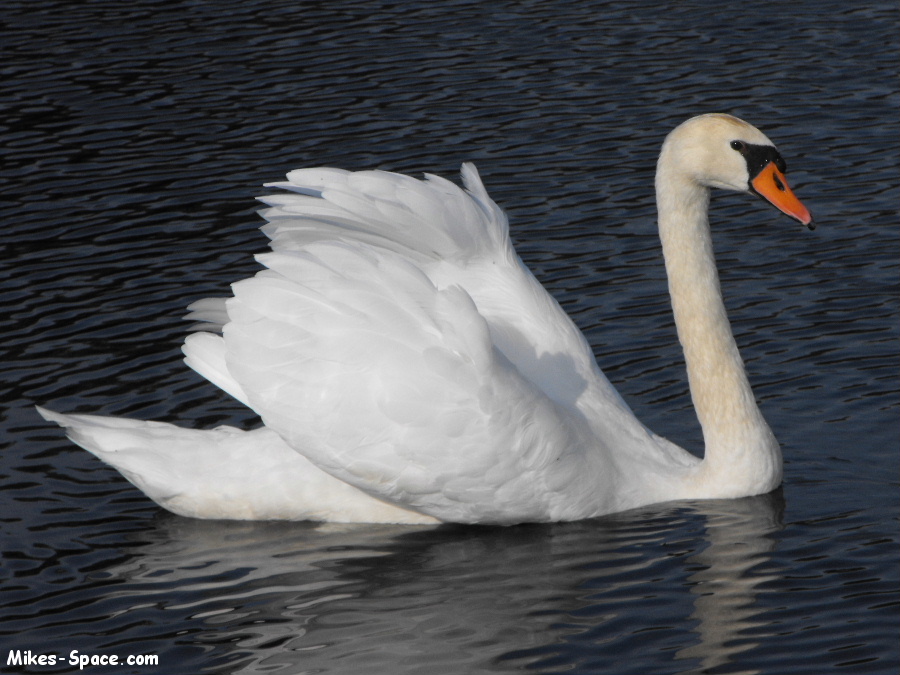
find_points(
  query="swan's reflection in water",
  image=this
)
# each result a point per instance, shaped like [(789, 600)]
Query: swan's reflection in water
[(270, 597), (730, 570)]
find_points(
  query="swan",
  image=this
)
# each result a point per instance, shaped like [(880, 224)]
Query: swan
[(409, 368)]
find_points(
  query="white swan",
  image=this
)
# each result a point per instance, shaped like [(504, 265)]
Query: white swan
[(408, 367)]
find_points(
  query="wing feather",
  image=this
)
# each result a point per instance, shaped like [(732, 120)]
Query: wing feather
[(396, 341), (425, 220), (392, 386)]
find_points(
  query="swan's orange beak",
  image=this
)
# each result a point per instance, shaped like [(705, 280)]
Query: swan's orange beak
[(771, 185)]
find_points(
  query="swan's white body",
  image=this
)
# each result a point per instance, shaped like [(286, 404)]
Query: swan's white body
[(409, 368)]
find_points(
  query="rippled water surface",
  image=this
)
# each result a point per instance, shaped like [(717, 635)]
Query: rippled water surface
[(133, 140)]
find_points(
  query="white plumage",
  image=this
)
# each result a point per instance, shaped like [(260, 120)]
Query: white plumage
[(409, 368)]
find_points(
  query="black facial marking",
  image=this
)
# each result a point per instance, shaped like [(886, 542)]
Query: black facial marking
[(757, 156)]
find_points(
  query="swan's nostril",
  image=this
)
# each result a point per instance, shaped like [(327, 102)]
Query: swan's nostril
[(778, 182)]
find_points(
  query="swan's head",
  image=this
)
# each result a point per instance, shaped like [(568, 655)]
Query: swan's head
[(722, 151)]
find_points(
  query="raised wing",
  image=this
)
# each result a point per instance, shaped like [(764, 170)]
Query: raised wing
[(397, 341), (384, 381)]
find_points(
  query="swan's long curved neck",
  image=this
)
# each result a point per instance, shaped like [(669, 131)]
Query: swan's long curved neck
[(741, 453)]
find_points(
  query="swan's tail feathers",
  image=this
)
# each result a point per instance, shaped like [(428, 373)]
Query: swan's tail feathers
[(224, 473), (141, 451), (424, 220)]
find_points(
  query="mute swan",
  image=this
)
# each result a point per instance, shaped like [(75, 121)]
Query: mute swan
[(409, 368)]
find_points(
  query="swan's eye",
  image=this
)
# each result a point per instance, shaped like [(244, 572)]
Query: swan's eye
[(740, 146), (779, 163)]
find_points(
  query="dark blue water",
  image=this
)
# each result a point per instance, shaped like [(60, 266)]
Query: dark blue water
[(133, 140)]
